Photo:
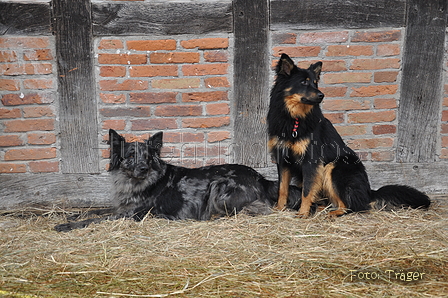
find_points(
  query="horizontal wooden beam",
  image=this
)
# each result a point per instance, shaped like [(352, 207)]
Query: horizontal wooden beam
[(331, 14), (25, 18), (164, 18), (85, 190)]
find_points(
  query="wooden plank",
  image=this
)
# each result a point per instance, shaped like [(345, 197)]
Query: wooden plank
[(64, 190), (84, 190), (25, 19), (330, 14), (251, 83), (76, 82), (422, 81), (164, 18)]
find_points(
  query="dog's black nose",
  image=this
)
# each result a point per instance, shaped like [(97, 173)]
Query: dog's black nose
[(320, 95), (143, 168)]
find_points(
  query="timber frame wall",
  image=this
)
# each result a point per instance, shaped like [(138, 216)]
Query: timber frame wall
[(254, 33)]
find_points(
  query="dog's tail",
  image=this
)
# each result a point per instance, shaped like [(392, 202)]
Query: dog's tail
[(392, 196)]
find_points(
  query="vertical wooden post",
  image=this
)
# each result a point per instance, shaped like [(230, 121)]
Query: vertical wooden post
[(421, 81), (72, 26), (251, 81)]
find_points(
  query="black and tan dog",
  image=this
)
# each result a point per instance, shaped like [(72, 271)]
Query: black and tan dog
[(305, 145), (144, 184)]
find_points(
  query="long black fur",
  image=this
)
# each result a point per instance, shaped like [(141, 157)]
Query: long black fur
[(143, 183), (316, 155)]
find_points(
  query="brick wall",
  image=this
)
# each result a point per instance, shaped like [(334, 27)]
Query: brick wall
[(361, 73), (181, 85), (28, 138)]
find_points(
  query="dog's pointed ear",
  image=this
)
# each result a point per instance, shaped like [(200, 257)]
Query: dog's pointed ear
[(155, 142), (285, 65), (316, 68), (116, 149)]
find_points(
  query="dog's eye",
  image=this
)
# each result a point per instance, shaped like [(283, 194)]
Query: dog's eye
[(306, 82)]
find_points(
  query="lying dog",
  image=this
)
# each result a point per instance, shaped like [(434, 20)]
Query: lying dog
[(143, 183)]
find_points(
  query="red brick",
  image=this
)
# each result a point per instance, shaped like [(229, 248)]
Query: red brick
[(25, 99), (182, 83), (217, 108), (109, 44), (153, 71), (114, 124), (41, 68), (126, 112), (12, 168), (205, 69), (38, 84), (28, 125), (112, 98), (39, 111), (349, 50), (216, 56), (206, 43), (362, 64), (37, 55), (375, 90), (206, 122), (7, 113), (126, 85), (178, 110), (328, 65), (383, 156), (297, 51), (384, 129), (333, 91), (152, 45), (385, 103), (41, 138), (345, 104), (10, 140), (444, 128), (12, 69), (153, 97), (216, 82), (347, 77), (217, 136), (8, 56), (204, 96), (445, 102), (284, 38), (445, 115), (335, 117), (9, 85), (25, 42), (112, 71), (126, 59), (371, 117), (30, 154), (360, 144), (444, 153), (174, 57), (385, 76), (183, 137), (381, 36), (44, 166), (351, 130), (153, 124), (388, 50), (445, 141), (323, 37)]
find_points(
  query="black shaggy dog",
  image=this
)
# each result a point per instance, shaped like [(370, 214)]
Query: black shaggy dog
[(143, 183), (306, 146)]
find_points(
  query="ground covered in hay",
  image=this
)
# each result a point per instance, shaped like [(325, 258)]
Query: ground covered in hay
[(376, 254)]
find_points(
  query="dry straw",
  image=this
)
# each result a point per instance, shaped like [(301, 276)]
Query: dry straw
[(377, 254)]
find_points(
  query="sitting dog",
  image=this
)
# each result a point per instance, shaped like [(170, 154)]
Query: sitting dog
[(143, 183)]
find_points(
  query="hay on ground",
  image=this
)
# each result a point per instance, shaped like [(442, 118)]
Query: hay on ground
[(395, 254)]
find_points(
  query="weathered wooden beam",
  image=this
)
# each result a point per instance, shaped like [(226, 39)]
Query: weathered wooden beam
[(25, 18), (161, 18), (251, 81), (422, 81), (330, 14), (76, 86)]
